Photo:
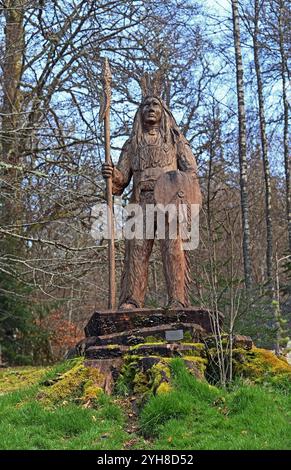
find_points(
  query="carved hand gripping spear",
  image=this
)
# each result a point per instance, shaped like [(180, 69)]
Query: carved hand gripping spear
[(105, 116)]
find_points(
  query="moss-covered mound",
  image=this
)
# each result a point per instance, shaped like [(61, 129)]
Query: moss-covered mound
[(147, 367), (256, 365), (80, 384), (14, 379), (143, 372), (261, 366), (146, 372), (66, 408)]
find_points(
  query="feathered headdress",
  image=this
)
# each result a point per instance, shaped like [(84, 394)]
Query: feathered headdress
[(152, 84)]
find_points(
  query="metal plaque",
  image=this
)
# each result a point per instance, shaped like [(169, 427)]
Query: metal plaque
[(174, 335)]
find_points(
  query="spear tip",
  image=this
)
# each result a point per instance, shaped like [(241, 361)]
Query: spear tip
[(106, 71), (106, 82)]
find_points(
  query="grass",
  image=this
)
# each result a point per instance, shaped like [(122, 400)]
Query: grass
[(199, 416), (193, 415), (26, 424)]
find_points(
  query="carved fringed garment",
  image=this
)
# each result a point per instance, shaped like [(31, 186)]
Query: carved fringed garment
[(146, 163)]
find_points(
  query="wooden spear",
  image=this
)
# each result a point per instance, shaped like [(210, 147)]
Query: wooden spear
[(105, 116)]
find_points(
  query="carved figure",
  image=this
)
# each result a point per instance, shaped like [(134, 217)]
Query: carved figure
[(155, 151)]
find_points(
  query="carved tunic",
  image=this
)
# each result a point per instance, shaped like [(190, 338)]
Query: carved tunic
[(146, 161)]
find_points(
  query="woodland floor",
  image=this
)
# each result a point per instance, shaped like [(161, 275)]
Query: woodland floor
[(193, 415)]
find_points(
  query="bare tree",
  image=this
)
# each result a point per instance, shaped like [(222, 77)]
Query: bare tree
[(12, 99), (264, 142), (283, 15), (242, 145)]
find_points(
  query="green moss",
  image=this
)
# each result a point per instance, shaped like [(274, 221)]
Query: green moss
[(135, 357), (198, 359), (153, 340), (91, 391), (196, 366), (194, 348), (140, 383), (125, 382), (20, 377), (260, 365), (133, 378), (136, 347), (160, 373), (187, 337), (164, 387), (211, 341), (79, 384)]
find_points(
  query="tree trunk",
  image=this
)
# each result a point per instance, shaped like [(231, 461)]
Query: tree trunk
[(264, 146), (11, 108), (12, 70), (282, 9), (242, 146)]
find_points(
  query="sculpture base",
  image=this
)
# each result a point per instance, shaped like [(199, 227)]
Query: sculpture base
[(147, 339), (110, 333), (109, 322)]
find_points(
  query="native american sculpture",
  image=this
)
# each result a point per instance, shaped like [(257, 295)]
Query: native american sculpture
[(159, 160)]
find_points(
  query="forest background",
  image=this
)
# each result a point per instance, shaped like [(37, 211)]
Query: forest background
[(227, 82)]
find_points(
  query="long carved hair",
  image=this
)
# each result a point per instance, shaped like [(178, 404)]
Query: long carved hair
[(169, 130)]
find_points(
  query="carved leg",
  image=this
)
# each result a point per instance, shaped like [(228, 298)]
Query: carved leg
[(135, 274), (176, 271)]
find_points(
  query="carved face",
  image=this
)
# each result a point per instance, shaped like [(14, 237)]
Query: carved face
[(151, 111)]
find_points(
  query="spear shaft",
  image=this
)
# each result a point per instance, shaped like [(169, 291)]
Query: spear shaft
[(105, 115)]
